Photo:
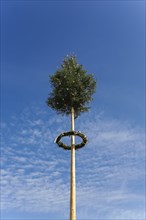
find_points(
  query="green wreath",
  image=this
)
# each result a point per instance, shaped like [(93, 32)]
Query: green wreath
[(69, 133)]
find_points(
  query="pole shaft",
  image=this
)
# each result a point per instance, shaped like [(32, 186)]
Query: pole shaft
[(73, 175)]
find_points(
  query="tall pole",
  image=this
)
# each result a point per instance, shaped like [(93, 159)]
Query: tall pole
[(73, 175)]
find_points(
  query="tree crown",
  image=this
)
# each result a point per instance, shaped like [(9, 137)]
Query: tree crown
[(72, 87)]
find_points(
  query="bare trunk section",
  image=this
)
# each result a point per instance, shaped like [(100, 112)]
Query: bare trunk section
[(73, 174)]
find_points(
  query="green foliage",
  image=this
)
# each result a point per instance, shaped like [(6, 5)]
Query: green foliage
[(72, 87)]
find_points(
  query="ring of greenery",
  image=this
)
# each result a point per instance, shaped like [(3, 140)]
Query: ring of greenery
[(69, 133)]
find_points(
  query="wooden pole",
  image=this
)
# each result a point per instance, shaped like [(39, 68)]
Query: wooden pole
[(73, 174)]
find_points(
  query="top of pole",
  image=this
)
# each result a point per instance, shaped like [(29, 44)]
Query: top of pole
[(72, 119)]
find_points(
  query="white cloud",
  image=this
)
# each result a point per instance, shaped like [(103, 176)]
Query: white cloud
[(110, 169)]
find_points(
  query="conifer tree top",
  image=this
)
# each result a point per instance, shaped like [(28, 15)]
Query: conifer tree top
[(72, 86)]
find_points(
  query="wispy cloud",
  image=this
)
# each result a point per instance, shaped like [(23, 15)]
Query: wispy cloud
[(110, 169)]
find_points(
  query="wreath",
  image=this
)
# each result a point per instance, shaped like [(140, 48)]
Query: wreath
[(69, 133)]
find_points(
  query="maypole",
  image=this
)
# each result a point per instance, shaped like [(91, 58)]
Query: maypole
[(73, 172), (72, 90)]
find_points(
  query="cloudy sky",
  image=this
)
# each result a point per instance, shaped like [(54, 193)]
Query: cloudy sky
[(108, 38)]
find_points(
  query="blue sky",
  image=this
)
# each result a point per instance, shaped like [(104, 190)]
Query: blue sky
[(108, 38)]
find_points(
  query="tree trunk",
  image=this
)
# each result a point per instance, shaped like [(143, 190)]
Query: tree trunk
[(73, 174)]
